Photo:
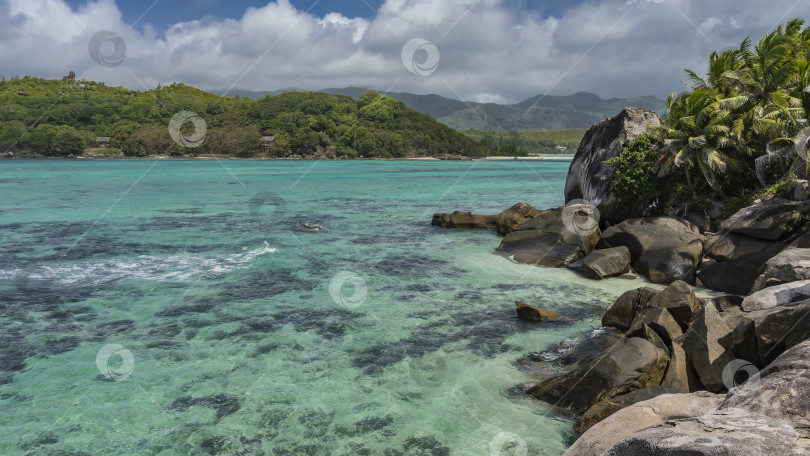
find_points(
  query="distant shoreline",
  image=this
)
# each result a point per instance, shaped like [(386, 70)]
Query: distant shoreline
[(555, 158)]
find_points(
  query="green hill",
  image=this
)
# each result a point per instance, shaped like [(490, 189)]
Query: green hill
[(41, 117), (577, 111), (529, 142)]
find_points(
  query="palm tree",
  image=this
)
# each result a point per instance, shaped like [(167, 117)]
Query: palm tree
[(697, 136)]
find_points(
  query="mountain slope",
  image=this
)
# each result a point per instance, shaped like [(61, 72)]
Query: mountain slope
[(576, 111)]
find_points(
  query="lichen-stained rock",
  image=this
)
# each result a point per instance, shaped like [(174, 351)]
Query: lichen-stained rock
[(789, 266), (628, 365), (465, 220), (603, 435), (602, 264), (589, 176), (532, 313), (664, 249), (729, 432), (516, 215)]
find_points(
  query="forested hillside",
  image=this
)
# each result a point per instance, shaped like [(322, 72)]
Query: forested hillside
[(41, 117)]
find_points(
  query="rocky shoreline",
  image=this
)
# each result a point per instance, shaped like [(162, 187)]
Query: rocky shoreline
[(670, 373)]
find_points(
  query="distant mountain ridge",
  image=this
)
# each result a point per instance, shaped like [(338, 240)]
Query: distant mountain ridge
[(552, 112)]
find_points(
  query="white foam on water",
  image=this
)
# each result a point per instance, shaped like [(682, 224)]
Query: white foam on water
[(173, 268)]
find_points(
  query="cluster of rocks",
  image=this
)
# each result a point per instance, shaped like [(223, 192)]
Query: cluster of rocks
[(667, 372), (652, 381)]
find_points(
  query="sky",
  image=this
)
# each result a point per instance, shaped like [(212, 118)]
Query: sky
[(500, 51)]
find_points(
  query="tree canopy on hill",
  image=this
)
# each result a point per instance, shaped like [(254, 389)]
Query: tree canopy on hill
[(63, 117)]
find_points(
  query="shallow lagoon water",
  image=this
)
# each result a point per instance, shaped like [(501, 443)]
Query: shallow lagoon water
[(242, 339)]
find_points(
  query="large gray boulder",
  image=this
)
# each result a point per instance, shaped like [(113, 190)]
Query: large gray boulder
[(602, 264), (780, 390), (728, 432), (769, 220), (680, 376), (628, 365), (664, 249), (642, 415), (660, 321), (555, 238), (789, 266), (680, 301), (782, 322), (708, 345), (621, 315), (589, 176), (733, 261)]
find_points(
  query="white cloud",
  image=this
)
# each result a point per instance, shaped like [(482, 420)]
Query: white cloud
[(490, 51)]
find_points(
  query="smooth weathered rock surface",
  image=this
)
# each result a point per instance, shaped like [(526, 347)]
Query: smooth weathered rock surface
[(776, 296), (642, 415), (601, 264), (727, 432), (629, 365), (664, 249), (465, 220), (706, 344), (680, 301), (680, 376), (532, 313), (660, 321), (789, 266), (589, 176), (733, 261), (555, 239), (762, 335), (508, 220), (780, 391), (604, 409), (624, 310), (769, 220)]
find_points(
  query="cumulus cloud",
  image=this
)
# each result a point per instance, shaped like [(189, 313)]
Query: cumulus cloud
[(491, 50)]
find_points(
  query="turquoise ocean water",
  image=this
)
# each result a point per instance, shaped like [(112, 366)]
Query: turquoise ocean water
[(182, 307)]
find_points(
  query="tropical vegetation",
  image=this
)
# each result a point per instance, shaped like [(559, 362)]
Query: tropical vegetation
[(529, 142), (57, 118), (741, 128)]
